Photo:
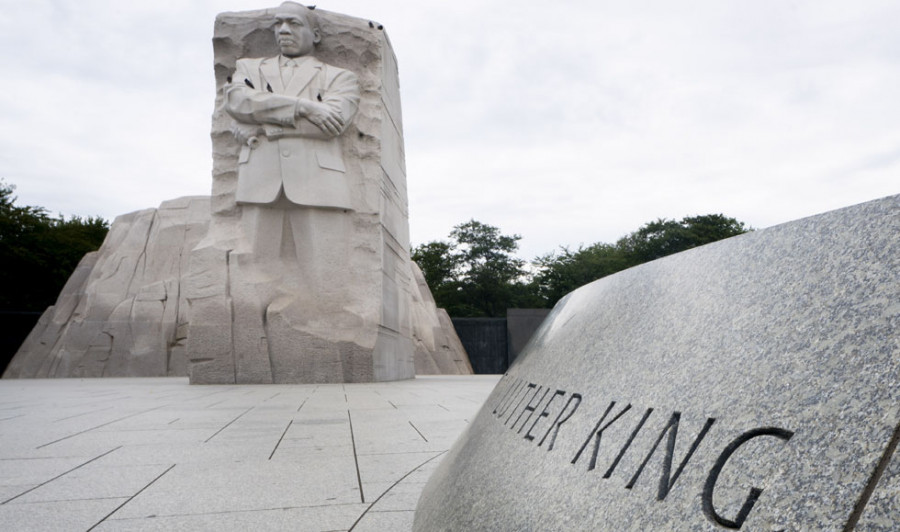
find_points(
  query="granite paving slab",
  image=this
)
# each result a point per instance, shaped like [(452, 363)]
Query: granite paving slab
[(160, 454)]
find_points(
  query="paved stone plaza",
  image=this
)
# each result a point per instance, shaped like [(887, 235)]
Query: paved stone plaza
[(159, 454)]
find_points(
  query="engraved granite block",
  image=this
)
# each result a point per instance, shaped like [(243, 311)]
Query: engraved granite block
[(748, 384)]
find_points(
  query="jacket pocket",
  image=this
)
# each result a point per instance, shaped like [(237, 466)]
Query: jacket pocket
[(330, 161)]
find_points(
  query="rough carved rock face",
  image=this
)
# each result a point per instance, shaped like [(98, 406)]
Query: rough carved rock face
[(123, 311), (317, 287), (322, 293)]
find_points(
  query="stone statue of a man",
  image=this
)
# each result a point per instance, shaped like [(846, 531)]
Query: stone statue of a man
[(290, 111), (297, 270)]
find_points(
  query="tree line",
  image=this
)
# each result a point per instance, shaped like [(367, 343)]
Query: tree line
[(476, 274), (38, 252)]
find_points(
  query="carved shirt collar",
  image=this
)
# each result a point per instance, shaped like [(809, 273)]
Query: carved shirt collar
[(284, 61)]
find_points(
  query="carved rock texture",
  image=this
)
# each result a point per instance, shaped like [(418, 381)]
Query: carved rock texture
[(187, 289), (438, 349), (123, 313), (256, 319)]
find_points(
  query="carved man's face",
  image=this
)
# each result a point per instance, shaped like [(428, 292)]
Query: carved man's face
[(295, 35)]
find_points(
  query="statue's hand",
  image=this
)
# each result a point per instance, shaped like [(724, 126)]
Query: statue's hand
[(243, 132), (321, 116)]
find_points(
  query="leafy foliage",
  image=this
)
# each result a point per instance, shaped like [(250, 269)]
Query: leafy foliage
[(560, 273), (665, 237), (565, 271), (38, 253), (477, 274)]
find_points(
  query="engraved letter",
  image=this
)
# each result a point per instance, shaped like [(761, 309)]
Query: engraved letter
[(717, 468), (527, 405), (529, 408), (560, 420), (597, 432), (637, 429), (516, 388), (544, 413), (503, 396), (524, 395), (667, 480)]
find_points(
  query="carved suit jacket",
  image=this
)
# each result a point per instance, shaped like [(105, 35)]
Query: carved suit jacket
[(288, 153)]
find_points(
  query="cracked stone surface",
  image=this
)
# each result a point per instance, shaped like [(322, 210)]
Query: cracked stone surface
[(438, 350), (268, 312), (123, 311)]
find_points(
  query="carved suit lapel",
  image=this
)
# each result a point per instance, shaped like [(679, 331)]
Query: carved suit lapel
[(270, 74), (305, 72)]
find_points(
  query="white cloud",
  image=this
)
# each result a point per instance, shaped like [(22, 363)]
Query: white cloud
[(572, 122)]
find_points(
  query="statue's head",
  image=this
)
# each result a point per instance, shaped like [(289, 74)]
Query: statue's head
[(296, 29)]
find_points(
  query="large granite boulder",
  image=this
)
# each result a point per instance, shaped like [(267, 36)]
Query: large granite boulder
[(438, 350), (123, 311), (748, 384)]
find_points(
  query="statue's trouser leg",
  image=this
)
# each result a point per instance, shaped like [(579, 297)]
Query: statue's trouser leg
[(322, 242)]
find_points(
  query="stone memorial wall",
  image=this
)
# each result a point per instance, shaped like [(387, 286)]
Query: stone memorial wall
[(750, 384)]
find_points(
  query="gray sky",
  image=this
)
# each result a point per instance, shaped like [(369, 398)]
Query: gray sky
[(566, 122)]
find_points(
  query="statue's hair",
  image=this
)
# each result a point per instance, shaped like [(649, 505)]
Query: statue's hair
[(310, 13)]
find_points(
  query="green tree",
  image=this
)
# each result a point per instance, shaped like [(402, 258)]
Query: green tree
[(476, 274), (38, 253), (561, 272), (665, 237)]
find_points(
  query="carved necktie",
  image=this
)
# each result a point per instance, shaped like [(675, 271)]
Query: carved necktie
[(287, 71)]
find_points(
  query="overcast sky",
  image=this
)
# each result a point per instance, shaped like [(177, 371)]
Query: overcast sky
[(566, 122)]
